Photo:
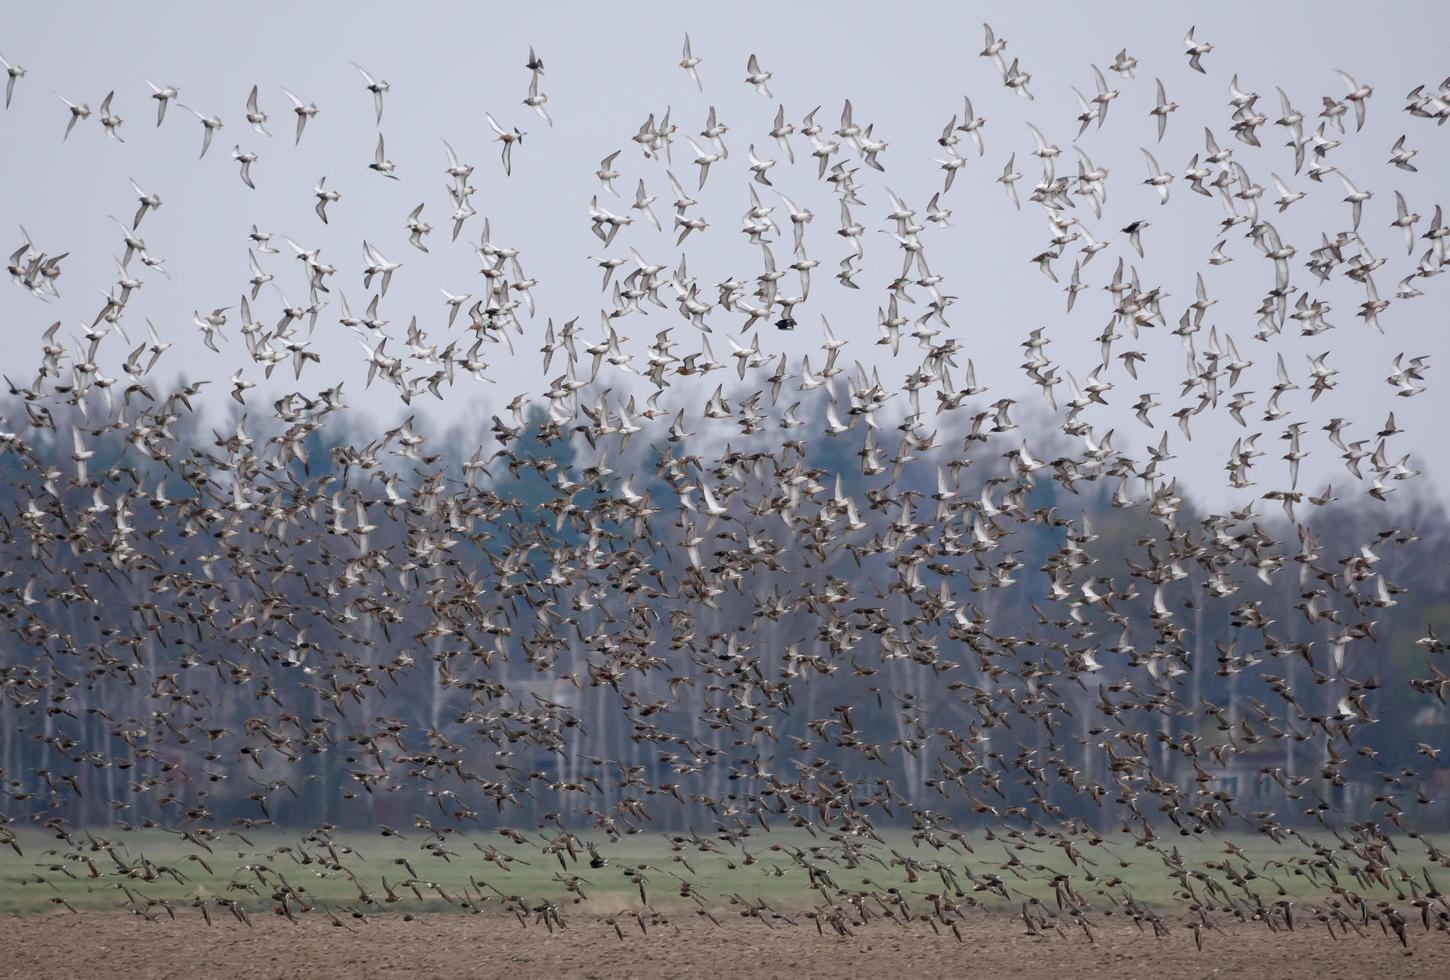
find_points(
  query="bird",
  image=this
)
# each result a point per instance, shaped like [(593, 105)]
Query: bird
[(147, 202), (246, 159), (1016, 79), (164, 96), (1008, 179), (1358, 95), (536, 99), (703, 159), (303, 111), (691, 64), (1405, 221), (972, 125), (1355, 198), (111, 122), (895, 616), (757, 78), (417, 228), (13, 73), (378, 90), (993, 49), (77, 114), (758, 166), (209, 126), (256, 118), (1134, 231), (607, 174), (1195, 50), (378, 265), (324, 197), (1157, 177), (642, 202), (1400, 156), (381, 164), (508, 138), (1162, 108)]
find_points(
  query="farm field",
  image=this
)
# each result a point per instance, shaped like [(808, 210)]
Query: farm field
[(123, 947), (49, 873)]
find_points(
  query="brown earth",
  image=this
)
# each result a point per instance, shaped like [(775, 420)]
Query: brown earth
[(115, 946)]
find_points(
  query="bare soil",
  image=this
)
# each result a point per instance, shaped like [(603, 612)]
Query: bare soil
[(116, 946)]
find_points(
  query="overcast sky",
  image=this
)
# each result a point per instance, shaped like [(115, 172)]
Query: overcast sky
[(608, 67)]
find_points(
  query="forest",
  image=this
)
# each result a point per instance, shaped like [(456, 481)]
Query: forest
[(516, 626)]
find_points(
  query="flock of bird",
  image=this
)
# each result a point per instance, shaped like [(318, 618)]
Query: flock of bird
[(186, 615)]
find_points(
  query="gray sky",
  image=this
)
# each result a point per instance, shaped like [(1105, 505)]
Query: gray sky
[(609, 68)]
